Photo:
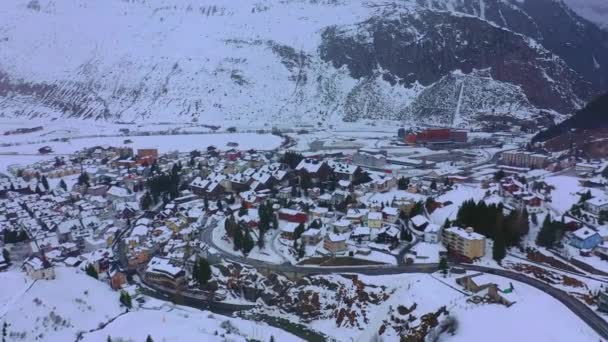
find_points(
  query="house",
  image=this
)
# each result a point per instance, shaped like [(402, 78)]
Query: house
[(585, 238), (117, 277), (97, 190), (291, 215), (356, 216), (147, 155), (312, 236), (596, 204), (374, 220), (361, 234), (419, 222), (464, 242), (117, 193), (318, 170), (432, 233), (390, 214), (389, 235), (39, 268), (335, 243), (161, 272), (342, 226), (288, 230)]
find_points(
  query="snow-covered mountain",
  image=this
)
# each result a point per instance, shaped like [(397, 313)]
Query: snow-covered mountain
[(312, 61)]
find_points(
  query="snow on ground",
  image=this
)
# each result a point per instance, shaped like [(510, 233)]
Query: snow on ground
[(14, 285), (168, 322), (427, 252), (56, 310), (565, 193), (164, 143), (378, 257), (384, 197), (477, 322)]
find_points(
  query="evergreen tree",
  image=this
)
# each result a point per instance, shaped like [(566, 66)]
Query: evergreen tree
[(443, 266), (91, 271), (6, 255), (219, 205), (149, 339), (546, 235), (447, 223), (45, 183), (275, 222), (301, 251), (243, 210), (498, 249), (238, 237), (109, 339), (195, 271), (403, 183), (204, 272), (261, 238), (248, 243), (83, 179), (433, 185), (534, 218), (125, 299), (63, 185), (146, 201), (298, 231)]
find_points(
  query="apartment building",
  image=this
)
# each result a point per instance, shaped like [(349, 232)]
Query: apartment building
[(464, 242)]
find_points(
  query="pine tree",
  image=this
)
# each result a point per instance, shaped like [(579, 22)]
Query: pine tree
[(301, 251), (45, 183), (6, 255), (83, 179), (275, 222), (219, 205), (546, 235), (146, 201), (149, 339), (238, 237), (125, 299), (247, 243), (91, 271), (204, 272), (433, 185), (498, 249), (195, 271), (443, 266), (109, 339), (261, 238), (63, 185), (243, 211)]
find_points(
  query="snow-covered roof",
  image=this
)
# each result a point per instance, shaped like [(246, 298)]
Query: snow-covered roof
[(163, 266), (584, 233), (419, 220), (463, 233), (374, 215)]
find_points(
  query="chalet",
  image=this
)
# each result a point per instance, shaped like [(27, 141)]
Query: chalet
[(374, 220), (432, 233), (97, 190), (319, 171), (346, 172), (419, 222), (335, 243), (312, 236), (361, 234), (117, 278), (288, 230), (161, 272), (356, 216), (291, 215), (342, 226), (585, 238), (389, 235), (596, 204), (39, 268), (390, 214), (117, 193)]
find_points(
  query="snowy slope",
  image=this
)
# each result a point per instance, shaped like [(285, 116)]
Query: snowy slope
[(259, 60)]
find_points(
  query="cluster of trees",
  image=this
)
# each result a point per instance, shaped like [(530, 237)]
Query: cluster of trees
[(13, 236), (241, 236), (403, 183), (201, 272), (165, 184), (490, 221), (267, 220), (292, 159), (550, 232)]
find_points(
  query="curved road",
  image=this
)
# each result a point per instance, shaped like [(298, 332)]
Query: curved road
[(593, 320)]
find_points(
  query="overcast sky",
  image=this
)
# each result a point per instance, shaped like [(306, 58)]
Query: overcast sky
[(594, 10)]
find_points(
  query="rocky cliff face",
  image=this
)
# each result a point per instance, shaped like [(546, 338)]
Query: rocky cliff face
[(435, 61), (424, 46)]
